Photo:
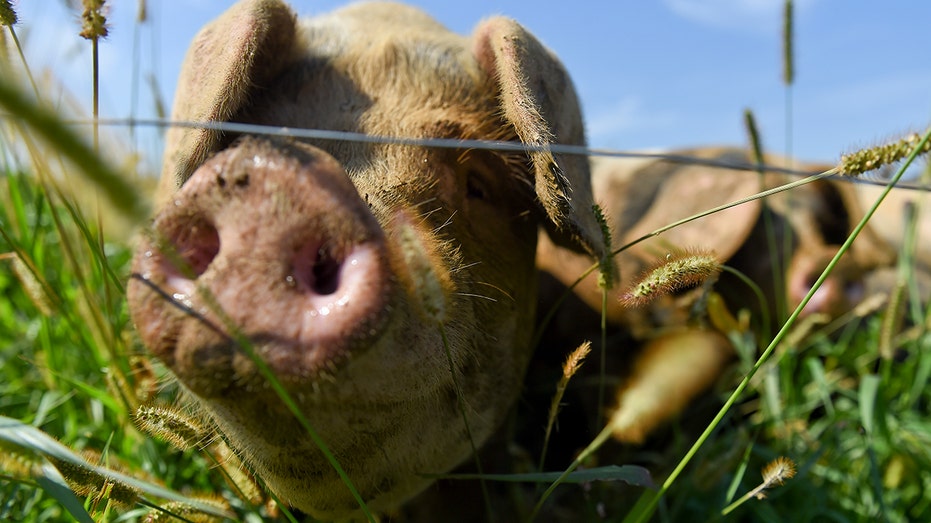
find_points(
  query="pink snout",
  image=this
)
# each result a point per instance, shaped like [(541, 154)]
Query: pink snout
[(840, 291), (267, 245)]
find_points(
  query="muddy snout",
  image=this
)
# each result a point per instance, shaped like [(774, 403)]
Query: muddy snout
[(267, 244)]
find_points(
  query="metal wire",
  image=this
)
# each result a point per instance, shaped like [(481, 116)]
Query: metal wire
[(491, 145)]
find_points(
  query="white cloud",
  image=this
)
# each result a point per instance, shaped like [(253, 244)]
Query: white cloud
[(742, 15), (604, 123)]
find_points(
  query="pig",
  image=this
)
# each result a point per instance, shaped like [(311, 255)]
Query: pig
[(670, 355), (358, 273), (640, 195)]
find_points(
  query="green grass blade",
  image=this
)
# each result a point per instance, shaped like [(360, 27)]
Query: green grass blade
[(631, 474), (33, 441), (869, 388), (739, 474)]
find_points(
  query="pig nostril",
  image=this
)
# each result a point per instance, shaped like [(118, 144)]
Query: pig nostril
[(196, 247), (855, 291), (317, 270), (325, 274)]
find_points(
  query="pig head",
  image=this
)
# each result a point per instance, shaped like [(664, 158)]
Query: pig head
[(358, 273), (809, 223), (680, 353)]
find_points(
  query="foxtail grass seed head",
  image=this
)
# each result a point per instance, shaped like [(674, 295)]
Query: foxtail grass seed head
[(86, 482), (754, 135), (7, 14), (575, 359), (866, 160), (171, 510), (31, 284), (606, 263), (892, 319), (237, 475), (171, 425), (678, 271), (19, 462), (870, 305), (776, 472), (94, 20), (788, 68), (570, 367)]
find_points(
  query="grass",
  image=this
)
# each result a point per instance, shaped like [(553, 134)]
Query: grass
[(854, 419)]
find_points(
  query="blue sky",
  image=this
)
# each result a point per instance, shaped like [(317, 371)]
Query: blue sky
[(651, 74)]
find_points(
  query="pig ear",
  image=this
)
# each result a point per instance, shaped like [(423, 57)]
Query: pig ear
[(686, 190), (537, 98), (231, 57)]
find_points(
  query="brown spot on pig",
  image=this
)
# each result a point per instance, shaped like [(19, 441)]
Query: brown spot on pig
[(309, 252)]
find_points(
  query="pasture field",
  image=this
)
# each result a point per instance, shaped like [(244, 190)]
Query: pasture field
[(845, 404)]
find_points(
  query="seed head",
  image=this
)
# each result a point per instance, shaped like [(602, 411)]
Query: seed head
[(87, 482), (788, 70), (94, 20), (777, 471), (29, 279), (678, 271), (7, 14), (753, 134), (575, 360), (170, 424), (172, 509), (866, 160), (606, 264)]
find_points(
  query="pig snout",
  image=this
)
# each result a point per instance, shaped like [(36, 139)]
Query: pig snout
[(269, 243), (840, 291)]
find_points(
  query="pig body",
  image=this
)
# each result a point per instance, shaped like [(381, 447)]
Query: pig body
[(373, 280)]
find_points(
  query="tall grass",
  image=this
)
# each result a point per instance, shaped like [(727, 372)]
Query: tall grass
[(853, 418)]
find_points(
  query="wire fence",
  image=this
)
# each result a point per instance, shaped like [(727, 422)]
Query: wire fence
[(878, 177)]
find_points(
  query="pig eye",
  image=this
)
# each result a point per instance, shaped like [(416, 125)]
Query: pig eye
[(474, 189), (482, 170)]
